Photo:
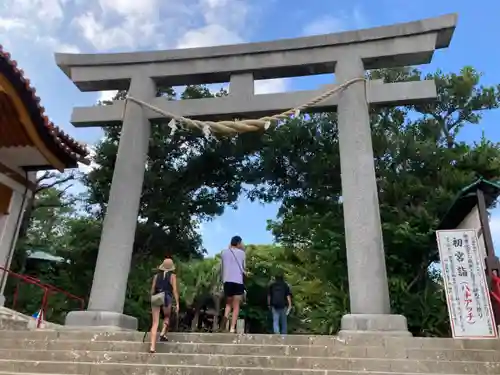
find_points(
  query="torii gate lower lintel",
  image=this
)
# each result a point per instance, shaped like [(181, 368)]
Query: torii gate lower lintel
[(347, 54)]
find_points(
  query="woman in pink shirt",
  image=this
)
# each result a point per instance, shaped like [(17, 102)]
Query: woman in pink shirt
[(233, 277)]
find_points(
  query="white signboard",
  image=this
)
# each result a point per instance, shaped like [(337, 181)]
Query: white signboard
[(467, 294)]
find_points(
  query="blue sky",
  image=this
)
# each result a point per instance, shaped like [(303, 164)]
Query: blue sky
[(32, 30)]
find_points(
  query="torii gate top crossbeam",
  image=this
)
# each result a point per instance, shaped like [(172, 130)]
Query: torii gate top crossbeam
[(381, 47), (389, 46)]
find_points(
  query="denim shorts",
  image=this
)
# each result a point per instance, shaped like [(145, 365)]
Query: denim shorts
[(168, 300)]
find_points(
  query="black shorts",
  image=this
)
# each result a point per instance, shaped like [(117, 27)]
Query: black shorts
[(233, 289)]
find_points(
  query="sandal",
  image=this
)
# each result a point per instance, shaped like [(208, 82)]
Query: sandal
[(163, 339), (151, 351)]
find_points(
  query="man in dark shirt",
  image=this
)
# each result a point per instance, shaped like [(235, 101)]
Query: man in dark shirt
[(279, 299)]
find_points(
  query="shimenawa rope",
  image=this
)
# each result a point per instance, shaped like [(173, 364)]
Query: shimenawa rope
[(238, 126)]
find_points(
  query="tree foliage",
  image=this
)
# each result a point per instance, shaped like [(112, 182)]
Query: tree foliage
[(420, 160)]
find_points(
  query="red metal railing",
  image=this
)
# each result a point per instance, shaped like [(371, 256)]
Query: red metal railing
[(495, 290), (47, 290), (495, 296)]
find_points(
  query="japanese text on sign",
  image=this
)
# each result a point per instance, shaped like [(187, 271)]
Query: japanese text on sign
[(467, 293)]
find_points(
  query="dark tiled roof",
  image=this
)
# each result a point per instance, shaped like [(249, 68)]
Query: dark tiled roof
[(67, 149)]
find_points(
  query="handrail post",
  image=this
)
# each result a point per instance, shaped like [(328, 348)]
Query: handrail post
[(42, 308)]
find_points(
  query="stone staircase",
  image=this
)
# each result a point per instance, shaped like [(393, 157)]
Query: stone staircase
[(120, 353)]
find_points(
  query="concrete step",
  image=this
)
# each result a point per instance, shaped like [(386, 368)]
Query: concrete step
[(174, 337), (347, 351), (252, 361), (390, 342), (9, 313), (6, 323), (220, 373), (74, 368)]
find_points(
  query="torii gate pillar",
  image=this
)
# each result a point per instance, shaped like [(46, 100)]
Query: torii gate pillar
[(347, 54), (370, 304)]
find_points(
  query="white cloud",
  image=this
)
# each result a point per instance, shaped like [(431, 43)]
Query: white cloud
[(325, 25), (234, 14), (131, 24), (107, 95), (48, 10), (132, 8), (57, 46), (12, 24), (269, 86), (88, 168), (342, 21), (225, 22), (102, 37), (26, 25), (207, 36)]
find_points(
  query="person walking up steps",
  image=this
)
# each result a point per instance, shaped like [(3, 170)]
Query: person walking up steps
[(163, 288), (233, 275), (279, 300)]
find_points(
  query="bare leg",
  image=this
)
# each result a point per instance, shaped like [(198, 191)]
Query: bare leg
[(166, 321), (236, 312), (227, 311), (155, 314), (229, 303), (163, 333)]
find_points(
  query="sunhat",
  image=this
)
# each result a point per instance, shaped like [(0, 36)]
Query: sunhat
[(167, 265)]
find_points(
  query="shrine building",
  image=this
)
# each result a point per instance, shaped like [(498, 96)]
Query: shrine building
[(29, 143)]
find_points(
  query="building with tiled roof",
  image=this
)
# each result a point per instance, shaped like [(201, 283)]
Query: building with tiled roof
[(29, 142)]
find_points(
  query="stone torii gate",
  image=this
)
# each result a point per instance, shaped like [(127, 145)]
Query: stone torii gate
[(347, 54)]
